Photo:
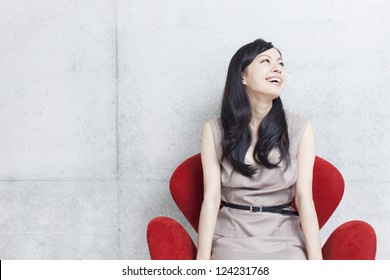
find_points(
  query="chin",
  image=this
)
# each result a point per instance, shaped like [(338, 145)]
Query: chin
[(274, 92), (274, 95)]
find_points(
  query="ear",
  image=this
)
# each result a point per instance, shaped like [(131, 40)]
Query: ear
[(243, 78)]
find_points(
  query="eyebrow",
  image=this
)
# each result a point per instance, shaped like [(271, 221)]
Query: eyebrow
[(269, 56)]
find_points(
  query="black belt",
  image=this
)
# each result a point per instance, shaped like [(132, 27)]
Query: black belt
[(272, 209)]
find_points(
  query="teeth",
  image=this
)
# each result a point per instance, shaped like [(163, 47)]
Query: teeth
[(274, 80)]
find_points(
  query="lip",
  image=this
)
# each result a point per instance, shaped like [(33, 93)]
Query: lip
[(277, 78)]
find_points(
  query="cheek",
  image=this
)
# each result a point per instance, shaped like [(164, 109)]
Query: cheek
[(257, 76), (255, 82), (285, 77)]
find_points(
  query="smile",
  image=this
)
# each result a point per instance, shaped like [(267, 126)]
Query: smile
[(274, 80)]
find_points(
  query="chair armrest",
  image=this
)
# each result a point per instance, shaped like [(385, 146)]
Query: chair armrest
[(353, 240), (168, 240)]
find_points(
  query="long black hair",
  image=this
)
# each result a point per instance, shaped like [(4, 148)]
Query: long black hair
[(236, 115)]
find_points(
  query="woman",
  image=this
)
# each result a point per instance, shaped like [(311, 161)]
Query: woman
[(256, 158)]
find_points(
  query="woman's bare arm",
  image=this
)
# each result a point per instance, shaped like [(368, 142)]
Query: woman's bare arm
[(304, 194), (212, 193)]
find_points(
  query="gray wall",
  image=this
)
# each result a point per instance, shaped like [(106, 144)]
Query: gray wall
[(101, 100)]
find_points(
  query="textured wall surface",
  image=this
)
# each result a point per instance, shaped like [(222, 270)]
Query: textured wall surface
[(101, 100)]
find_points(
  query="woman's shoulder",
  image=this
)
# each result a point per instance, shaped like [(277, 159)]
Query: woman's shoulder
[(294, 117), (296, 126), (215, 123), (295, 121), (217, 131), (215, 119)]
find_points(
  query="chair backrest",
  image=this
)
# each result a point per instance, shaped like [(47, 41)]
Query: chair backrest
[(186, 186), (328, 189)]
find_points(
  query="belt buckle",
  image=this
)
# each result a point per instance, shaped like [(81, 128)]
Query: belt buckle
[(257, 208)]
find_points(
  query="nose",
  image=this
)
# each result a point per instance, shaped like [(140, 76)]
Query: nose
[(277, 69)]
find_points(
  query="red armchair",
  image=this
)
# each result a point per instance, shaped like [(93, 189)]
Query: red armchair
[(168, 240)]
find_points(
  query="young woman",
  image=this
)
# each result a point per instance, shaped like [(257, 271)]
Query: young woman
[(256, 158)]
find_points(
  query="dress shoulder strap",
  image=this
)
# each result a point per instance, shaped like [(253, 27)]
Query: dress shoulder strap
[(296, 128), (216, 128)]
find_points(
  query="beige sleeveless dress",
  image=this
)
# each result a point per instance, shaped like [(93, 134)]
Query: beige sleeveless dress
[(241, 234)]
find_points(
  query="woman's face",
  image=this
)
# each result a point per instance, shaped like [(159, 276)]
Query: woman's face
[(265, 76)]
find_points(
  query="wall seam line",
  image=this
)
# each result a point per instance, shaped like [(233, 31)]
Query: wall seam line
[(117, 123)]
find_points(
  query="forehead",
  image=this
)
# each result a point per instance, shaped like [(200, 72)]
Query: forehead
[(273, 53)]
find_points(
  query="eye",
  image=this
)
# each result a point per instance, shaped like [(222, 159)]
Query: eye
[(281, 64), (265, 60)]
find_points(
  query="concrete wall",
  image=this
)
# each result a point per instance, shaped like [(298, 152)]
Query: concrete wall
[(101, 100)]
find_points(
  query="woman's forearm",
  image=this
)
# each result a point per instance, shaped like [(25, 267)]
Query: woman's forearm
[(310, 229), (207, 220), (304, 193)]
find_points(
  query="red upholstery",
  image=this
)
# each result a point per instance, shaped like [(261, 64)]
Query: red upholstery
[(354, 240), (328, 189), (186, 188), (167, 239)]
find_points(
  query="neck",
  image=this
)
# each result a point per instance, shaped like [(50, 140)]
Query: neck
[(260, 109)]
